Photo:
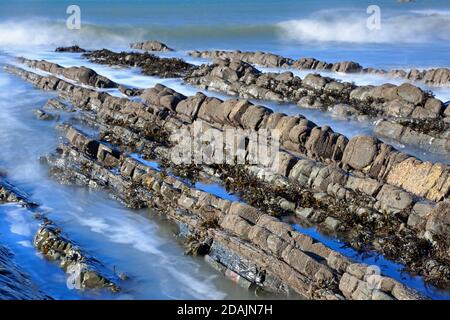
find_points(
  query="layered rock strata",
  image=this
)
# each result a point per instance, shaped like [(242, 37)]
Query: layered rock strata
[(424, 120), (431, 77), (82, 75), (84, 272), (406, 114), (368, 161), (252, 248)]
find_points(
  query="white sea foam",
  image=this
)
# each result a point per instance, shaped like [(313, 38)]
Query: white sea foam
[(342, 26), (120, 227), (18, 223), (31, 33)]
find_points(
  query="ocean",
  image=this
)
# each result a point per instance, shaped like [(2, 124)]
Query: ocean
[(410, 34)]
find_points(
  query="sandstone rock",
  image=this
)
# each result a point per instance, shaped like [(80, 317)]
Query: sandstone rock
[(304, 212), (362, 292), (348, 284), (283, 163), (358, 270), (421, 178), (388, 129), (400, 292), (346, 66), (244, 211), (324, 144), (367, 185), (332, 223), (418, 213), (360, 152), (211, 110), (253, 116), (236, 224), (190, 106), (380, 295)]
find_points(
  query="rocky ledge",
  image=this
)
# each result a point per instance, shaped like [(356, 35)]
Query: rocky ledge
[(74, 49), (82, 75), (424, 120), (431, 77), (259, 58), (405, 114), (149, 64), (256, 250), (334, 182)]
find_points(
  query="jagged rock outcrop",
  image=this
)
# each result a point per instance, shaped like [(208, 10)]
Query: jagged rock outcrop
[(259, 58), (415, 109), (431, 77), (248, 246), (151, 45), (314, 64), (79, 74)]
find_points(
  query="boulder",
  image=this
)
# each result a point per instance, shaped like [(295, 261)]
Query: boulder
[(411, 93), (360, 152), (151, 45), (314, 81)]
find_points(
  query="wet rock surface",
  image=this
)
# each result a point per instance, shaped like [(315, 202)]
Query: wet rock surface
[(149, 64), (9, 193), (363, 174), (248, 246)]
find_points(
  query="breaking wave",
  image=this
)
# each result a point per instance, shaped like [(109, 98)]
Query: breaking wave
[(23, 33), (342, 26)]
